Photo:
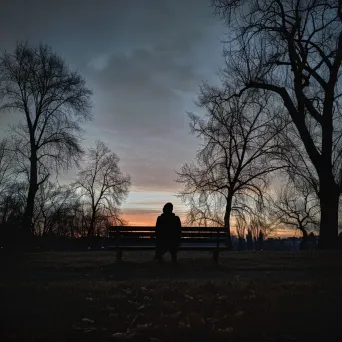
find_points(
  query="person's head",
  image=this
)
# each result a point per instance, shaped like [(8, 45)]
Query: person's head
[(168, 207)]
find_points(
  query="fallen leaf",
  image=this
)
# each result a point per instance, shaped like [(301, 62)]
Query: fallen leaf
[(134, 319), (213, 320), (88, 331), (182, 324), (87, 320), (119, 335), (76, 327)]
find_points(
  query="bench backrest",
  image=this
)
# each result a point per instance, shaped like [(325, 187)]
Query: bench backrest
[(133, 234)]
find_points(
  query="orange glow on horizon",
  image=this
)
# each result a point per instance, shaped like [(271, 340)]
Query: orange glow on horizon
[(136, 219), (149, 218)]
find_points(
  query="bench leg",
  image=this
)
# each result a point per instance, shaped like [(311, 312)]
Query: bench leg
[(216, 255), (119, 255)]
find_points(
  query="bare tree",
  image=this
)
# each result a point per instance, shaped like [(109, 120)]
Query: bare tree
[(53, 101), (241, 229), (80, 218), (102, 184), (241, 226), (235, 162), (12, 206), (5, 164), (206, 209), (298, 168), (293, 49), (261, 223), (296, 203), (296, 206), (52, 203)]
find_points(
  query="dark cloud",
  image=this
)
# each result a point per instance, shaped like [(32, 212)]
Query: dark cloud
[(81, 29), (139, 92)]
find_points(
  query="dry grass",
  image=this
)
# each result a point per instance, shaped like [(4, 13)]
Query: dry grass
[(87, 296)]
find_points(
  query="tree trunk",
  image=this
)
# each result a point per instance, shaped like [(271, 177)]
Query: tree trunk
[(304, 242), (92, 224), (33, 188), (227, 222), (5, 211), (329, 202)]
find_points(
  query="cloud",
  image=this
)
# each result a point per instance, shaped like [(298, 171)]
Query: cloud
[(137, 92), (144, 61)]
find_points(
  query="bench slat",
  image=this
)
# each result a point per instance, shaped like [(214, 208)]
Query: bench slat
[(150, 229), (143, 248), (152, 235), (135, 238)]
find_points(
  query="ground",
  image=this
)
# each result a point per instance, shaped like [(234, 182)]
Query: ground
[(89, 297)]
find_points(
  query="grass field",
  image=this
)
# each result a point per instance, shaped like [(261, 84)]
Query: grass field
[(89, 297)]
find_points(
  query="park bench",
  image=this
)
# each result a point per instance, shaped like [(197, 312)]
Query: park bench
[(130, 238)]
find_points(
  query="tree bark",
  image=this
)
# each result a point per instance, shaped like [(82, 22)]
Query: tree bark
[(227, 222), (329, 202), (304, 232), (92, 223), (304, 243), (33, 188)]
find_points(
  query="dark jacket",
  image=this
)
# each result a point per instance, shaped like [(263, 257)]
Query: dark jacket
[(168, 228)]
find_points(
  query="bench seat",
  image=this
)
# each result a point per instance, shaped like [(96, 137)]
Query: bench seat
[(132, 238), (181, 248)]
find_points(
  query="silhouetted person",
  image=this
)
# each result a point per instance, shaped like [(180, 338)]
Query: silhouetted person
[(168, 233)]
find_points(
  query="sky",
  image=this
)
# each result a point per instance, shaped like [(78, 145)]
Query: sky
[(144, 61)]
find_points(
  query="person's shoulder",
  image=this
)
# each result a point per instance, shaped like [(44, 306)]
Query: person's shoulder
[(177, 218)]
